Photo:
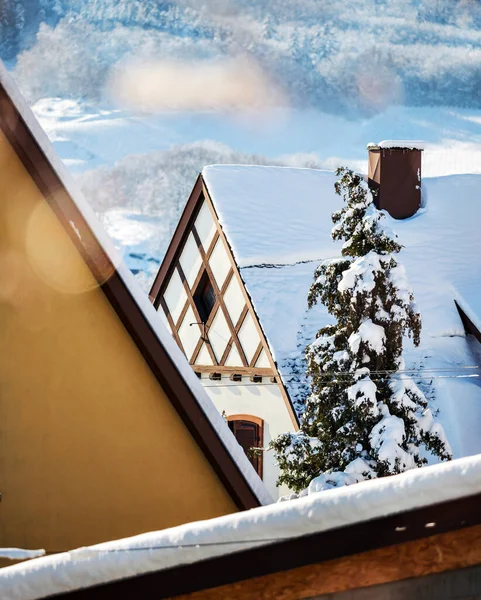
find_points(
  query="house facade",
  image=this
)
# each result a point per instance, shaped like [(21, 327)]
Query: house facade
[(104, 429)]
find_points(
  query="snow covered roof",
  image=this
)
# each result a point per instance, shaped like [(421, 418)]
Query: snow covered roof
[(278, 222), (318, 513), (272, 215), (19, 124)]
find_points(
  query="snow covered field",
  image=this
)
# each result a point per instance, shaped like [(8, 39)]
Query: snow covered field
[(87, 137)]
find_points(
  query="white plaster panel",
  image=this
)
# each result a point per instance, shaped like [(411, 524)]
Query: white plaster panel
[(175, 296), (219, 263), (249, 337), (163, 318), (219, 334), (204, 358), (189, 334), (263, 362), (264, 401), (234, 300), (205, 226), (234, 359), (190, 260)]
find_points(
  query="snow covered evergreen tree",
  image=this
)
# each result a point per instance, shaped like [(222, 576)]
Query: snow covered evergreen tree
[(365, 417)]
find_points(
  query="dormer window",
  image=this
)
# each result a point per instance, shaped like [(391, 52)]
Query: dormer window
[(204, 297)]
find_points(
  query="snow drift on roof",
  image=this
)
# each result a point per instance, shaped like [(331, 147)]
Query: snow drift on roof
[(20, 553), (197, 541)]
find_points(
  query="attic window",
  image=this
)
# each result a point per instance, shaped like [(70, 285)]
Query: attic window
[(204, 297)]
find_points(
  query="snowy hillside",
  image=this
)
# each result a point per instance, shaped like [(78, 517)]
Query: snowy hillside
[(87, 136)]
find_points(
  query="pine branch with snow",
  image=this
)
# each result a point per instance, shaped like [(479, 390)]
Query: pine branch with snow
[(364, 418)]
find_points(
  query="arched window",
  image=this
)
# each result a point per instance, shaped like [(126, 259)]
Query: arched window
[(249, 432)]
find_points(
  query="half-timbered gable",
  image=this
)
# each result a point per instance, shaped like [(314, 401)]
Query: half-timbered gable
[(205, 304), (202, 299)]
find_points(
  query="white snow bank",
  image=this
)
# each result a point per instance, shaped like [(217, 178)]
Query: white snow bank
[(408, 144), (20, 553), (196, 541)]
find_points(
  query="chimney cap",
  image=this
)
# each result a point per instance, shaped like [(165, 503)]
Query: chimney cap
[(395, 144)]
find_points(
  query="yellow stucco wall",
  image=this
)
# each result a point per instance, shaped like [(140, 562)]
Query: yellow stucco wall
[(90, 447)]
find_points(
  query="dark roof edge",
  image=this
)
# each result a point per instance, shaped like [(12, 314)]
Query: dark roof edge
[(468, 325), (291, 553), (35, 152), (187, 217)]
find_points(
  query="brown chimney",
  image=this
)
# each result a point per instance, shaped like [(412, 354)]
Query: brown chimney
[(394, 176)]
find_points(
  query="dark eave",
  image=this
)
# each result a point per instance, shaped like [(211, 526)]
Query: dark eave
[(173, 251), (135, 322), (468, 325)]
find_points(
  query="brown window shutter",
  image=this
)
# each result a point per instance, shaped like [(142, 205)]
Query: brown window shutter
[(249, 435)]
